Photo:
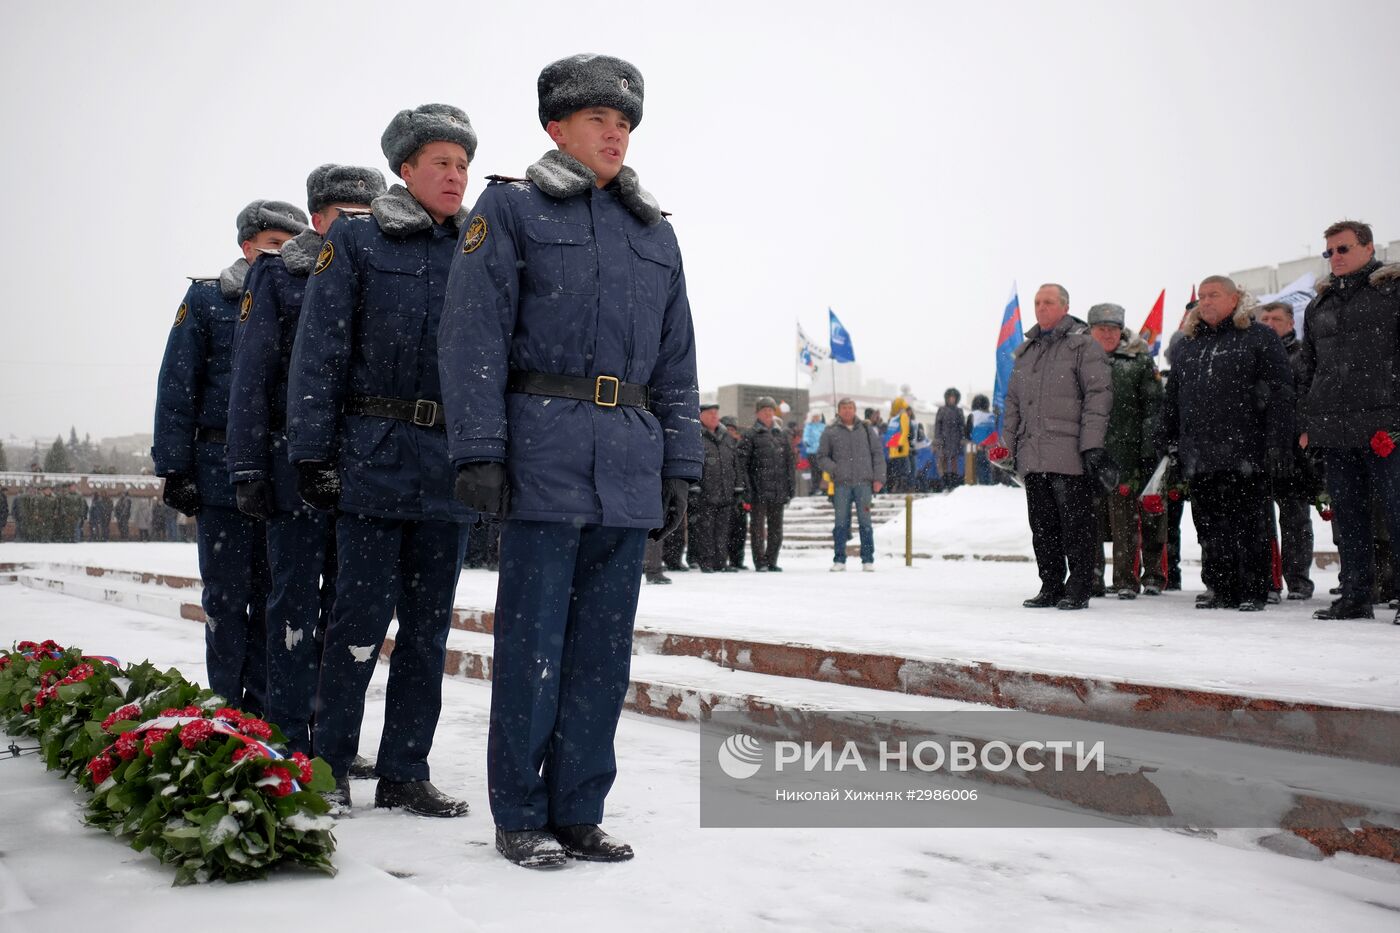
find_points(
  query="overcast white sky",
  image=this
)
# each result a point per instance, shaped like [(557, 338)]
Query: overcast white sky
[(902, 163)]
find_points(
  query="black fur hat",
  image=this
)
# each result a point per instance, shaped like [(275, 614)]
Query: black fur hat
[(580, 81)]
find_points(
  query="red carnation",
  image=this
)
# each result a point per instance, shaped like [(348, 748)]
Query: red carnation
[(303, 767), (1382, 443), (25, 646), (998, 453), (78, 674), (153, 738), (127, 712), (256, 728), (100, 768), (232, 715), (125, 746), (1174, 495), (1326, 514), (247, 751), (1124, 489), (4, 661), (1152, 505), (283, 787), (27, 708), (192, 733)]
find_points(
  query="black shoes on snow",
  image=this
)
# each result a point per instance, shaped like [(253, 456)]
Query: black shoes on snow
[(658, 577), (1070, 603), (1042, 600), (1251, 605), (1345, 609), (361, 768), (588, 843), (538, 848), (339, 799), (419, 797)]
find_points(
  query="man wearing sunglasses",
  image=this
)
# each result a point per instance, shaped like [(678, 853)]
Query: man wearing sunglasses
[(1350, 380)]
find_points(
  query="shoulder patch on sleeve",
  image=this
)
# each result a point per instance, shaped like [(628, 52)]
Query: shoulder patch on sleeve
[(324, 259), (180, 314), (476, 234), (246, 307)]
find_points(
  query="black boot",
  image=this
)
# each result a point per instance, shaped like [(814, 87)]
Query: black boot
[(530, 848), (1042, 600), (361, 768), (1345, 609), (419, 797), (339, 799), (1071, 603), (658, 577), (588, 843)]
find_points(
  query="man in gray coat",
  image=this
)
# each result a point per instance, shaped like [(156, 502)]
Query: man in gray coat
[(851, 452), (1056, 417)]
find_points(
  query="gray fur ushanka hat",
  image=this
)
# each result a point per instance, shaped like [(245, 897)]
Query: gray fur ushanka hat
[(269, 215), (411, 130), (580, 81), (342, 184), (1107, 313)]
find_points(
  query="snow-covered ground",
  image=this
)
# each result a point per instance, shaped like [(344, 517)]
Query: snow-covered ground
[(401, 872)]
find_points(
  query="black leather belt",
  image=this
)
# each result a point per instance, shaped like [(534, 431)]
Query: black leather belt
[(212, 435), (423, 412), (603, 391)]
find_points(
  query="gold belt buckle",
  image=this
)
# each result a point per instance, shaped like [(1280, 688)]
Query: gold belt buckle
[(598, 391)]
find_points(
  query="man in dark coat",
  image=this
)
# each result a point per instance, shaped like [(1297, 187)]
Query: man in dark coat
[(568, 370), (1229, 414), (189, 452), (948, 439), (739, 519), (1349, 368), (366, 431), (300, 539), (122, 512), (720, 485), (771, 482), (1294, 499)]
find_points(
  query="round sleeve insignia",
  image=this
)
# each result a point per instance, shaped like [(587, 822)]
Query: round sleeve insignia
[(180, 313), (245, 308), (476, 234), (323, 261)]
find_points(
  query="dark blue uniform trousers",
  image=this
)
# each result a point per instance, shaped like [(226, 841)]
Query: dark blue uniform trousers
[(1356, 476), (565, 606), (388, 565), (301, 552), (233, 564)]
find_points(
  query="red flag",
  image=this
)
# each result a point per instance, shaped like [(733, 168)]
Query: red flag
[(1151, 330)]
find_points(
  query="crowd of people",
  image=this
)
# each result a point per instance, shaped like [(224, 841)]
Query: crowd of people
[(62, 514), (1247, 417)]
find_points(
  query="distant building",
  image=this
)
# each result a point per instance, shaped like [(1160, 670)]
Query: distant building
[(738, 400), (1267, 280)]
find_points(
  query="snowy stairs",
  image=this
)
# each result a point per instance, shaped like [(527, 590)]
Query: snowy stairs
[(808, 521)]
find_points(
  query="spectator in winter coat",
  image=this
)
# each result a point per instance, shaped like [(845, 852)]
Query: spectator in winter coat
[(811, 440), (739, 521), (1057, 408), (720, 486), (1350, 374), (948, 439), (1137, 396), (1229, 412), (122, 512), (898, 439), (767, 455), (980, 422), (850, 451), (1293, 500), (142, 513)]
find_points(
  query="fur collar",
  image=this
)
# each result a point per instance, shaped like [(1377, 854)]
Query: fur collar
[(1130, 344), (1242, 318), (300, 252), (560, 175), (400, 215), (231, 279), (1069, 324), (1384, 272)]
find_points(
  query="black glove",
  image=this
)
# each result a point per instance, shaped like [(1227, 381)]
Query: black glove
[(674, 492), (481, 486), (1279, 465), (254, 498), (318, 484), (181, 494), (1099, 467)]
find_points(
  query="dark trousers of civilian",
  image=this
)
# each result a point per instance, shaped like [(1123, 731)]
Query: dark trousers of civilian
[(565, 606), (738, 534), (388, 567), (1061, 509), (1120, 515), (301, 552), (1295, 535), (1357, 478), (1231, 514), (709, 541), (233, 564), (766, 533)]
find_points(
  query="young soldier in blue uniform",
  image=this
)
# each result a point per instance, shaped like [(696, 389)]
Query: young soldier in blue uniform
[(568, 364), (300, 540), (192, 400), (365, 430)]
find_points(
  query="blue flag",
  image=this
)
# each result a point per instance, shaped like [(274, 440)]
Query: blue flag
[(841, 349), (1009, 337)]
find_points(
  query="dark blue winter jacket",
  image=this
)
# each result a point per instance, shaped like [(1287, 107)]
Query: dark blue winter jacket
[(193, 387), (555, 275), (369, 327), (262, 353)]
